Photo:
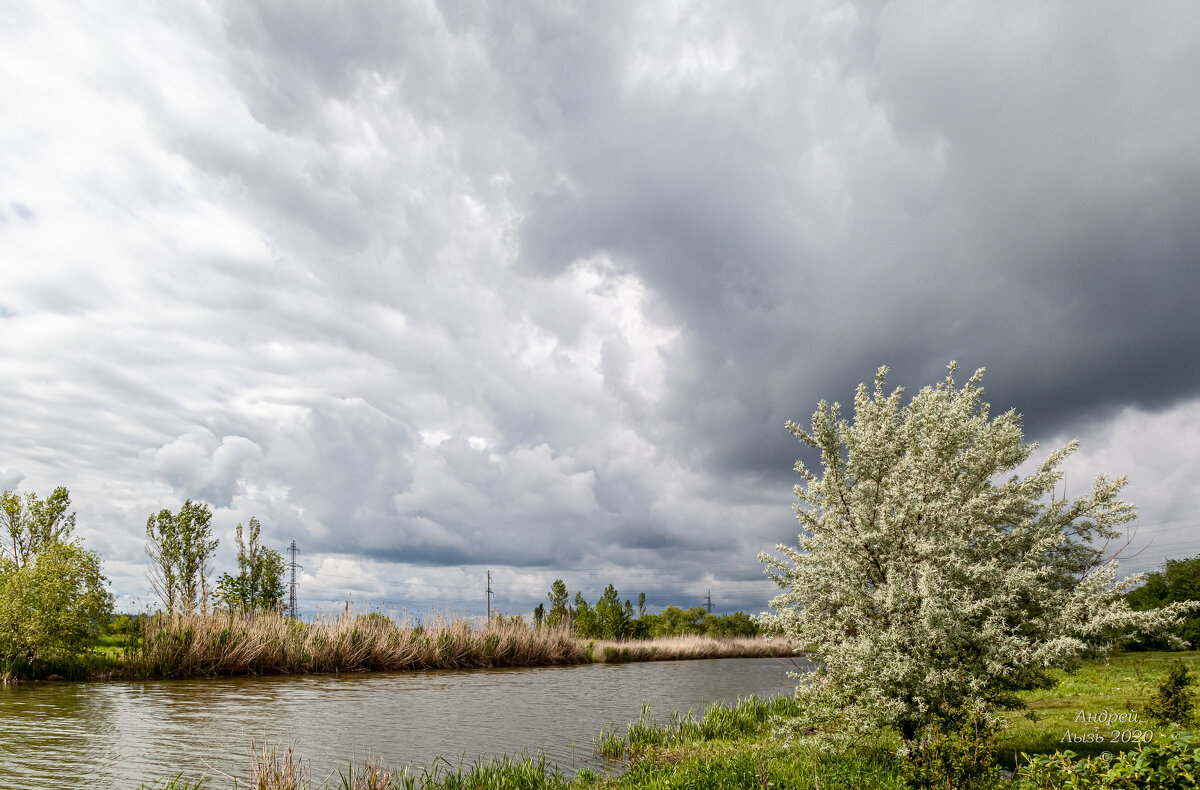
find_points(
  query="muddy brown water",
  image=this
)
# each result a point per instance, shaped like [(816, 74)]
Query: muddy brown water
[(121, 734)]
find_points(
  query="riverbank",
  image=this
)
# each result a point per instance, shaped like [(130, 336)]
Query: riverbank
[(737, 748), (231, 645)]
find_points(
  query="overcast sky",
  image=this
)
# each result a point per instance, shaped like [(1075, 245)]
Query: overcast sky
[(438, 288)]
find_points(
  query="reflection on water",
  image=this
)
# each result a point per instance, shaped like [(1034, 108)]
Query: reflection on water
[(118, 734)]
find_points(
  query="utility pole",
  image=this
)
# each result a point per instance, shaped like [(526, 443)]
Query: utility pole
[(489, 597), (292, 550), (709, 598)]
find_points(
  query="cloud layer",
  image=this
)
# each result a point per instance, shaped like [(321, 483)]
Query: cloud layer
[(442, 287)]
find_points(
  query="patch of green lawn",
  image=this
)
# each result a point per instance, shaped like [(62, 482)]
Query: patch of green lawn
[(1123, 684)]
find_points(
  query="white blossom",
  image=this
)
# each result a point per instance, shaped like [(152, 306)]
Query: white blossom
[(929, 579)]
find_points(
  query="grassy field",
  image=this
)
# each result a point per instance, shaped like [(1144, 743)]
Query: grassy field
[(1121, 685), (735, 747)]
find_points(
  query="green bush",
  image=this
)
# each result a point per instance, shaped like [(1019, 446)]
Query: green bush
[(954, 756), (1179, 580), (1170, 762), (1173, 702)]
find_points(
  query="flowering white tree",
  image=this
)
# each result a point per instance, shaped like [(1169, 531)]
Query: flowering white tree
[(929, 586)]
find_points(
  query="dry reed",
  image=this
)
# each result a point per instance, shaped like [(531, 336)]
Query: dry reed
[(223, 644), (270, 644), (275, 771), (678, 648)]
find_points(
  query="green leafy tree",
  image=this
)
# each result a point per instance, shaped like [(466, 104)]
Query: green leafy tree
[(53, 597), (1179, 580), (673, 621), (258, 585), (233, 593), (730, 625), (180, 546), (32, 522), (611, 619), (640, 628), (930, 584), (539, 615), (646, 626), (558, 603), (585, 621), (641, 604)]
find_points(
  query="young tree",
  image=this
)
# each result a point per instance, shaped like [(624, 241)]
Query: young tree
[(930, 587), (558, 603), (641, 604), (259, 583), (162, 547), (539, 615), (32, 522), (181, 547), (585, 622), (611, 621)]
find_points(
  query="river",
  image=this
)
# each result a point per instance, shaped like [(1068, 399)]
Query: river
[(119, 734)]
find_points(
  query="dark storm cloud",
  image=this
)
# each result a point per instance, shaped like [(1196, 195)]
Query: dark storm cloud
[(1050, 236)]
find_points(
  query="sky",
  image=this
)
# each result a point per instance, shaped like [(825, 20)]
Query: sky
[(435, 289)]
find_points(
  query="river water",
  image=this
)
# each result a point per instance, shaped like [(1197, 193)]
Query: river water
[(122, 733)]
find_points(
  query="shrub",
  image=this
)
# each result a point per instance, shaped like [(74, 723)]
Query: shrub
[(1170, 762), (1173, 702), (954, 756)]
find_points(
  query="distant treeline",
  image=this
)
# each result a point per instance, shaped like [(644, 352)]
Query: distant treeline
[(1179, 580), (612, 619)]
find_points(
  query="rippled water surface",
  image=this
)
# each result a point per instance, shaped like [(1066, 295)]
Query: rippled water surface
[(120, 734)]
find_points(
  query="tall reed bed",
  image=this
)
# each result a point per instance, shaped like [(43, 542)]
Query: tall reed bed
[(676, 648), (269, 644)]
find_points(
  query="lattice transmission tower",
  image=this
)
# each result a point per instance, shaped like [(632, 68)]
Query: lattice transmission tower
[(292, 566)]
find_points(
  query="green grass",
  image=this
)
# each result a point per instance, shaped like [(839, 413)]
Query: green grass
[(1123, 683)]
